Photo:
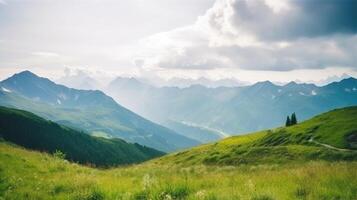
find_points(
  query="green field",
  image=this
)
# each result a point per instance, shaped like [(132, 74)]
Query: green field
[(32, 175), (316, 159)]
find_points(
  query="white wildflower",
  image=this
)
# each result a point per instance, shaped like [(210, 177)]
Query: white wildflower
[(168, 197), (148, 181), (200, 194)]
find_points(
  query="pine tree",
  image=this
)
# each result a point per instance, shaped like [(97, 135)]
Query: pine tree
[(288, 122), (293, 119)]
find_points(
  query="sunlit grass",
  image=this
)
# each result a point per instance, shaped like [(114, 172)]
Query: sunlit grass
[(31, 175)]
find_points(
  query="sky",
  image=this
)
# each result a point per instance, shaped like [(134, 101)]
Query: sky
[(248, 40)]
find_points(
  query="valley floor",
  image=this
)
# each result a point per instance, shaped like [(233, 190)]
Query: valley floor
[(27, 174)]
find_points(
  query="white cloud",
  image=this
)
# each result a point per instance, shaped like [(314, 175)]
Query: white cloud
[(278, 5), (45, 54), (256, 35)]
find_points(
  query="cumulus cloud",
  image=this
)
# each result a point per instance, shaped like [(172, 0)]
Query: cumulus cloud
[(259, 35), (298, 18)]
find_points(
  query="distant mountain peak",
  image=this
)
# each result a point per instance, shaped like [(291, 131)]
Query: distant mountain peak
[(291, 84), (26, 79), (26, 73), (131, 83), (348, 82), (131, 80), (344, 82), (263, 83), (349, 79), (266, 82)]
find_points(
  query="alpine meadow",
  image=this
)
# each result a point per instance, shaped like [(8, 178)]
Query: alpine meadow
[(178, 100)]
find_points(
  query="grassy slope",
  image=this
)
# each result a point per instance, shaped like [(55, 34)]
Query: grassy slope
[(31, 175), (31, 131), (266, 175), (335, 128)]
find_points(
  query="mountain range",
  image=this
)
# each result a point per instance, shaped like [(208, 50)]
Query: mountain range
[(88, 110), (192, 115), (232, 110)]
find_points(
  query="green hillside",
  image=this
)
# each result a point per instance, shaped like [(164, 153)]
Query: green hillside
[(28, 130), (315, 159), (26, 174), (330, 136)]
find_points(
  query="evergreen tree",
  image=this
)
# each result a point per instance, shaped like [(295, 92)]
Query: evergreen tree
[(293, 119), (288, 122)]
